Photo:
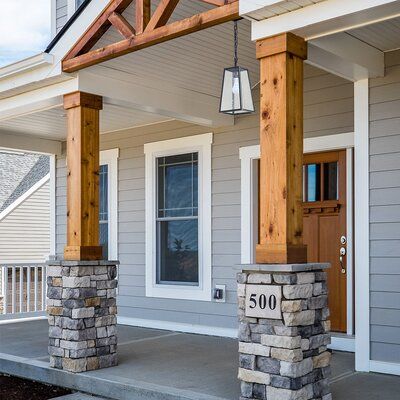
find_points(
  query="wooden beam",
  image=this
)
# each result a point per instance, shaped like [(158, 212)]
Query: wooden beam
[(98, 28), (218, 3), (173, 30), (143, 13), (162, 14), (122, 25), (83, 154), (281, 145)]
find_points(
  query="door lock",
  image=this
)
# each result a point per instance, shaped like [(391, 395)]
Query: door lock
[(343, 240), (342, 251)]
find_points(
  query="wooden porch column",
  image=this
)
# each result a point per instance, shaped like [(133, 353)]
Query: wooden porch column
[(281, 141), (83, 111)]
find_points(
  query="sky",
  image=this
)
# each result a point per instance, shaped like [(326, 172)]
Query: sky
[(24, 29)]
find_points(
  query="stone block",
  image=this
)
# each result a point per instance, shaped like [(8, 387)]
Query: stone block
[(259, 278), (254, 348), (286, 383), (247, 361), (285, 279), (294, 355), (54, 271), (286, 394), (54, 293), (89, 352), (74, 365), (286, 330), (86, 312), (296, 369), (292, 305), (71, 345), (246, 389), (258, 328), (56, 351), (322, 360), (305, 277), (241, 290), (93, 302), (321, 388), (259, 391), (321, 276), (305, 344), (241, 278), (318, 302), (76, 282), (319, 341), (300, 318), (298, 291), (83, 270), (55, 332), (107, 361), (247, 375), (244, 333), (267, 365), (92, 363), (55, 310), (287, 342)]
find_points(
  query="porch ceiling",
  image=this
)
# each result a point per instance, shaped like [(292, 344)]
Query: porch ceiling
[(384, 35), (52, 123)]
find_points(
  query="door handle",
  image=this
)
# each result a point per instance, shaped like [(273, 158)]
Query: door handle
[(342, 265)]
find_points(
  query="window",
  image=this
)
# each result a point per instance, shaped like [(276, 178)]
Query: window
[(108, 214), (78, 3), (178, 218)]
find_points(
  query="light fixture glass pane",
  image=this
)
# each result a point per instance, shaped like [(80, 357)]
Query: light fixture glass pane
[(230, 98), (178, 256), (247, 98)]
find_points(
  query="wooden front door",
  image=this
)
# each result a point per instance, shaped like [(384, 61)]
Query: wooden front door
[(325, 224)]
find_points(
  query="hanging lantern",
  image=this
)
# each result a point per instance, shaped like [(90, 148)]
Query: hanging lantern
[(236, 97)]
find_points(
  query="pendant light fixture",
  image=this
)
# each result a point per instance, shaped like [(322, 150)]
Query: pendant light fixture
[(236, 97)]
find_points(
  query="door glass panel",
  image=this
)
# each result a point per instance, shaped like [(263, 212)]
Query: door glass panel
[(103, 209), (312, 181), (331, 181)]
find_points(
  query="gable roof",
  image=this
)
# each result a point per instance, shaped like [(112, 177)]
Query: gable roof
[(18, 173)]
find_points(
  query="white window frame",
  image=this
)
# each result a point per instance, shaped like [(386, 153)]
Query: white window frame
[(110, 158), (202, 145)]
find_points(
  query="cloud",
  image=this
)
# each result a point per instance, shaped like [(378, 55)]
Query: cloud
[(24, 29)]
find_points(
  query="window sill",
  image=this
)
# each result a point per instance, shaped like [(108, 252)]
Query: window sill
[(178, 292)]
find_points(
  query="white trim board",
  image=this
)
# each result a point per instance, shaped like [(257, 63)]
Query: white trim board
[(110, 158), (384, 367), (179, 327), (361, 223), (342, 343), (202, 145)]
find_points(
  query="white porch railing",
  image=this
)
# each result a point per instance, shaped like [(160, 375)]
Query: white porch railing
[(23, 288)]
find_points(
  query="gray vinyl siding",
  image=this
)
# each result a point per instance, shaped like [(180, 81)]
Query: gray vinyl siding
[(61, 14), (25, 231), (385, 212), (335, 102)]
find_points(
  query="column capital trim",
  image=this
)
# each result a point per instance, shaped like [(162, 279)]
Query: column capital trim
[(83, 99), (283, 43)]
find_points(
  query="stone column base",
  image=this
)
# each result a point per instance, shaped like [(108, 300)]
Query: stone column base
[(284, 358), (82, 314)]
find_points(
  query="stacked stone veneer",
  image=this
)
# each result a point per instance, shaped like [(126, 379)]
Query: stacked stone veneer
[(286, 359), (82, 313)]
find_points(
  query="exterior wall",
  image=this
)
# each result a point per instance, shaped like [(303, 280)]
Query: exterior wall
[(61, 14), (385, 212), (328, 110), (25, 232)]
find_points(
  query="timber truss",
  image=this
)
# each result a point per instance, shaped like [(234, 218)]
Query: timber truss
[(147, 30)]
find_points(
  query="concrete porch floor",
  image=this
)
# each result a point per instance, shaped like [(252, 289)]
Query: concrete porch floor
[(166, 365)]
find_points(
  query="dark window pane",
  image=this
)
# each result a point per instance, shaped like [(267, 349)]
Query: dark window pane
[(178, 252), (104, 238), (331, 181), (177, 185), (312, 177)]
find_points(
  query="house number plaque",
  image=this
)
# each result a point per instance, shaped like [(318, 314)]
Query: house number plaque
[(263, 301)]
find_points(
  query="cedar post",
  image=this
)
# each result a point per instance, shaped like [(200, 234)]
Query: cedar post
[(83, 112), (281, 142)]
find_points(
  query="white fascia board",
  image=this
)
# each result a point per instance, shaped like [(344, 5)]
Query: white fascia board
[(346, 56), (13, 141), (36, 100), (28, 64), (157, 97), (327, 17)]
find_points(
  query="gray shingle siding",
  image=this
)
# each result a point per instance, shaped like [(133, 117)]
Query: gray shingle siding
[(385, 212), (61, 14)]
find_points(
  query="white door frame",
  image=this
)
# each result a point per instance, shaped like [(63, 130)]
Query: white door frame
[(248, 156)]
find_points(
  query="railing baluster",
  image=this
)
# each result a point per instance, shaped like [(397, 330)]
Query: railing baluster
[(44, 287), (13, 289), (36, 288), (28, 288), (5, 288), (21, 289)]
